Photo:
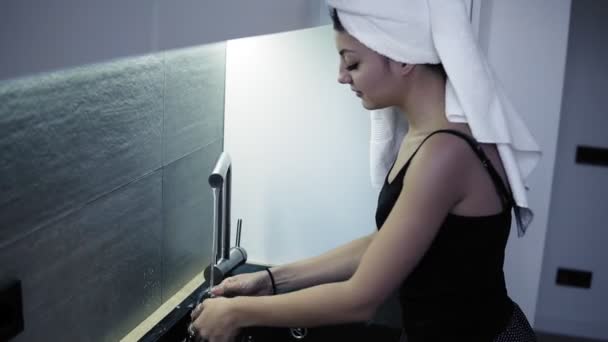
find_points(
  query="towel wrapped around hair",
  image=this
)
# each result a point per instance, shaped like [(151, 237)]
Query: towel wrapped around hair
[(432, 32)]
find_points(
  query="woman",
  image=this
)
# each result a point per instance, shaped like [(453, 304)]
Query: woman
[(443, 219)]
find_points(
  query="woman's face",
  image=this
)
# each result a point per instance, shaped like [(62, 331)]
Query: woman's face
[(370, 75)]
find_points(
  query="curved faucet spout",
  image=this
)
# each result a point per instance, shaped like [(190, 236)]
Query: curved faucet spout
[(221, 179)]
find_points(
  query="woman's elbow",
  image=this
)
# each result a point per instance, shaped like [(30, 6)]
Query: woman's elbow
[(364, 312), (365, 306)]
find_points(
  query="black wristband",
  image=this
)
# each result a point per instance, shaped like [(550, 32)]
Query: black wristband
[(274, 287)]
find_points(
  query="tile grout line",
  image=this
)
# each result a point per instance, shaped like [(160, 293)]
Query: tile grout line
[(162, 181)]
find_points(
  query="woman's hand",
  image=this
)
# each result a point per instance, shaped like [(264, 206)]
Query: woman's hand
[(216, 320), (249, 284)]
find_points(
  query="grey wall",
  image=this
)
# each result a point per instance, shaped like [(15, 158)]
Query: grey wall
[(577, 232), (38, 36), (104, 207)]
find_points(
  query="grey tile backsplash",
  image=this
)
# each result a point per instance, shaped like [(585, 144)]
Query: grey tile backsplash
[(188, 216), (94, 273), (71, 136), (194, 88), (105, 208)]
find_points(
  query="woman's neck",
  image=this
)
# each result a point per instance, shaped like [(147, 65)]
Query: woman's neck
[(424, 105)]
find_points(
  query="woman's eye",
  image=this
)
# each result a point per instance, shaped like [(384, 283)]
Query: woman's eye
[(352, 67)]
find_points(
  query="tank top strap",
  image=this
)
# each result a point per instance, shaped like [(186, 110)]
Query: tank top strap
[(399, 175), (501, 188)]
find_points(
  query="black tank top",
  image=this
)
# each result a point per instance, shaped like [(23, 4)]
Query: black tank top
[(457, 291)]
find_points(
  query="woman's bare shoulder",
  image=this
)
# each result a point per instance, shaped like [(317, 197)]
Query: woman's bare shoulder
[(442, 164)]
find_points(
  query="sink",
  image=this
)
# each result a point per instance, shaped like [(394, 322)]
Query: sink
[(172, 328)]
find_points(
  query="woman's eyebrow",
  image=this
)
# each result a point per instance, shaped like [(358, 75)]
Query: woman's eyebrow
[(343, 51)]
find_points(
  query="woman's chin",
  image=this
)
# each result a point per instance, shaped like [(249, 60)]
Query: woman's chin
[(369, 106)]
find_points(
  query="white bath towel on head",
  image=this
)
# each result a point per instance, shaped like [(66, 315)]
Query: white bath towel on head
[(439, 31)]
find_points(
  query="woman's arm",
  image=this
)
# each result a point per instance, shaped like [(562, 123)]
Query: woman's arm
[(433, 188), (335, 265)]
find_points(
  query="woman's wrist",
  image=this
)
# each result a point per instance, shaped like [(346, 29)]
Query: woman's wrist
[(273, 286), (267, 279), (242, 317), (264, 285), (283, 279)]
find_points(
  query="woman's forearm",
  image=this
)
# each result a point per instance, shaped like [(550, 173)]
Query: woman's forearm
[(333, 303), (333, 266)]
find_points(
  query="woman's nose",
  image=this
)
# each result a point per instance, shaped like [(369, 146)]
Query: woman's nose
[(344, 77)]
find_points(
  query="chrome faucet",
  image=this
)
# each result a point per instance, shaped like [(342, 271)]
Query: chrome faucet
[(224, 258)]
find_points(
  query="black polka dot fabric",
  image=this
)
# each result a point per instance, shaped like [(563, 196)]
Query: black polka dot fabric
[(518, 329)]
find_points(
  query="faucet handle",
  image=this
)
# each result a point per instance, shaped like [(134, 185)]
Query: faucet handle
[(239, 224)]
